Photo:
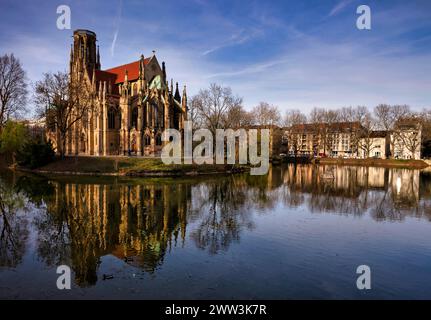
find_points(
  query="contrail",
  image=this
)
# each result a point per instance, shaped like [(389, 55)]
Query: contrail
[(117, 27)]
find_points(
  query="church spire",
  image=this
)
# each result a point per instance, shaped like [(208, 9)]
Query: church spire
[(71, 58), (142, 67), (177, 94), (98, 59), (164, 71), (184, 100), (184, 93)]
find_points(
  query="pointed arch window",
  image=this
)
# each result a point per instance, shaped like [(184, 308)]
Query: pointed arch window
[(147, 140), (135, 117), (159, 140), (111, 118)]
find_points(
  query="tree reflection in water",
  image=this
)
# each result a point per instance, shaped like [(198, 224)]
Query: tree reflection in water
[(13, 226), (80, 220), (222, 210)]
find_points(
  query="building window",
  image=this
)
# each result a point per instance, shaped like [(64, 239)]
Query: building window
[(135, 117), (111, 119), (159, 140), (156, 114), (147, 140)]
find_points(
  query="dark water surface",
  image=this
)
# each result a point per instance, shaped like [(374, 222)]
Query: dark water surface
[(297, 233)]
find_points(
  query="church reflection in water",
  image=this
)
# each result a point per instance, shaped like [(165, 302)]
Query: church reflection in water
[(77, 221), (137, 223)]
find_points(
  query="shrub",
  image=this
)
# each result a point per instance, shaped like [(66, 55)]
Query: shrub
[(36, 153), (13, 137)]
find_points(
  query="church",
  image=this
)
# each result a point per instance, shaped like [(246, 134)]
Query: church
[(131, 104)]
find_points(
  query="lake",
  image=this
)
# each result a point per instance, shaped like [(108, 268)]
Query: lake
[(299, 232)]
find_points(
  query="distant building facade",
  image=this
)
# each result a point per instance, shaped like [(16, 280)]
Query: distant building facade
[(330, 140), (406, 139), (132, 104), (374, 144), (36, 128), (351, 140)]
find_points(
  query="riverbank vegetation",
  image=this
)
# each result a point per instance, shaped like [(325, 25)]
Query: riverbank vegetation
[(370, 162), (131, 166), (19, 147)]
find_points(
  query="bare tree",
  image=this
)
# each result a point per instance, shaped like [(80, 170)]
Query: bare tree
[(387, 117), (293, 121), (317, 119), (13, 88), (327, 130), (408, 134), (383, 113), (194, 114), (361, 126), (63, 103), (237, 117), (346, 114), (266, 114), (213, 106), (365, 136)]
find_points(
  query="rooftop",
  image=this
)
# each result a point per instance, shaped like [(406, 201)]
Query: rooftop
[(132, 69)]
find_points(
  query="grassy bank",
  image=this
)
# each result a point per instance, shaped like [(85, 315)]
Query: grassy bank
[(125, 166), (389, 163)]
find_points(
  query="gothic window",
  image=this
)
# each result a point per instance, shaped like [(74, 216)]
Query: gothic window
[(145, 116), (111, 118), (159, 140), (147, 140), (135, 117), (83, 141), (156, 115)]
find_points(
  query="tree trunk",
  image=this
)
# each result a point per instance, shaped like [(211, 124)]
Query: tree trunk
[(63, 147)]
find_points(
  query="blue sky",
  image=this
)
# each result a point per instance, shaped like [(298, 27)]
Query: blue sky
[(294, 54)]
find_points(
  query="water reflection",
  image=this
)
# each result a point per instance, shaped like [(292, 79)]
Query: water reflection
[(386, 194), (79, 220), (13, 226)]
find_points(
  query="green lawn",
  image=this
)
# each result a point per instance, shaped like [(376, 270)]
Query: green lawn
[(129, 166)]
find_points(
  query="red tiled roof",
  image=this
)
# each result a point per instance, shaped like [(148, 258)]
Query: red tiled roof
[(110, 78), (132, 71), (105, 76)]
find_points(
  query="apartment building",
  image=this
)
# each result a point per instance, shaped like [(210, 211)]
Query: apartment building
[(351, 140), (326, 140)]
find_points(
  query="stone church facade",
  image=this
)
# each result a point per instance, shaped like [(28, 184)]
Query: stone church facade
[(131, 106)]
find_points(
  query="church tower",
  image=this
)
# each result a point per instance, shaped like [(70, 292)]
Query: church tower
[(84, 53)]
